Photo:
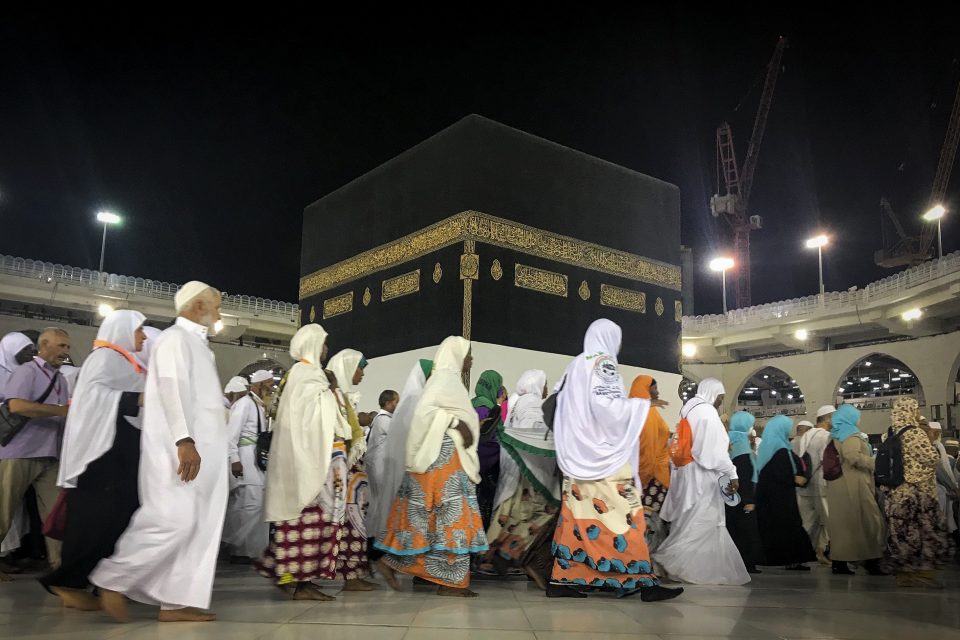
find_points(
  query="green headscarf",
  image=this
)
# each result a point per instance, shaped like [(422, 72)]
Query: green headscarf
[(487, 389), (427, 367)]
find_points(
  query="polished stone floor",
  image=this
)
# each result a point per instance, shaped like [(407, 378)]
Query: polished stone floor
[(776, 605)]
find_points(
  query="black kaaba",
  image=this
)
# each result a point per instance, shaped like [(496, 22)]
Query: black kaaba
[(497, 235)]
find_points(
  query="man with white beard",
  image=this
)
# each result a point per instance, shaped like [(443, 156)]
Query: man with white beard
[(168, 554), (245, 532)]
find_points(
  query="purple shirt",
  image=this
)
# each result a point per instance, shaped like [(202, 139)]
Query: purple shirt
[(41, 437)]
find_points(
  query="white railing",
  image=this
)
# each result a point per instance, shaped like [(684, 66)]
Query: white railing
[(832, 301), (127, 285)]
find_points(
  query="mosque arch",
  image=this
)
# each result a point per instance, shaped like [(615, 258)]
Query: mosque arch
[(770, 391), (269, 364), (876, 381)]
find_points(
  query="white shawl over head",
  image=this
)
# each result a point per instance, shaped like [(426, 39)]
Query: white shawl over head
[(303, 432), (344, 366), (711, 444), (526, 444), (444, 403), (597, 427), (92, 421), (394, 456), (10, 346)]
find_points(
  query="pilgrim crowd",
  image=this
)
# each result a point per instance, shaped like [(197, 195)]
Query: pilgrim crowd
[(144, 472)]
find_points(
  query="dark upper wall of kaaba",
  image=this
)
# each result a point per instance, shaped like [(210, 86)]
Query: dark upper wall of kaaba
[(499, 236), (485, 166)]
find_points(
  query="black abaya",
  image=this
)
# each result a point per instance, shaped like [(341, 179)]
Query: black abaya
[(785, 542), (100, 507), (741, 524)]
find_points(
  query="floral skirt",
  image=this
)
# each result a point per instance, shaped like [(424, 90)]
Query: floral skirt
[(917, 538), (434, 523), (517, 521), (323, 543), (654, 494), (600, 536)]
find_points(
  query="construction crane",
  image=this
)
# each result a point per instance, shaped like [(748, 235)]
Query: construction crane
[(912, 250), (734, 186)]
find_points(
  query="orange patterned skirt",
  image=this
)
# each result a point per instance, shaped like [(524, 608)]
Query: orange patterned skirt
[(434, 523), (599, 540)]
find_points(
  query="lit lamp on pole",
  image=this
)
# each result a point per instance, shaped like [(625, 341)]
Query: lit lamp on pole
[(818, 243), (107, 219), (721, 265), (936, 213)]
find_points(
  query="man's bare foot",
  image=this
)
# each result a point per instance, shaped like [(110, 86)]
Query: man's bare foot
[(308, 591), (388, 574), (115, 604), (359, 584), (77, 599), (187, 614), (450, 592)]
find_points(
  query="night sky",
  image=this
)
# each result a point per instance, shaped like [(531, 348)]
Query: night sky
[(211, 134)]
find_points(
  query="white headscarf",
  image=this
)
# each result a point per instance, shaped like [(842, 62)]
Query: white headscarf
[(394, 459), (526, 444), (597, 427), (344, 366), (151, 333), (12, 344), (945, 463), (303, 432), (445, 401), (92, 421)]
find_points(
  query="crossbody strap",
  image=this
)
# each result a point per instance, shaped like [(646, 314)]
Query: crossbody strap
[(46, 394)]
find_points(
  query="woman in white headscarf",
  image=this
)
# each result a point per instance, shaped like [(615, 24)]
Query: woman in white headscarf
[(392, 461), (307, 477), (600, 537), (528, 489), (699, 548), (947, 484), (100, 456), (434, 523), (348, 366)]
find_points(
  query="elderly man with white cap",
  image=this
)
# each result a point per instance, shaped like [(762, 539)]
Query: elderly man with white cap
[(168, 554), (245, 532), (812, 498)]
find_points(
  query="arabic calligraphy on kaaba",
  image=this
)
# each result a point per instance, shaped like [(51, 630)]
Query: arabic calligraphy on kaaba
[(338, 305), (480, 227), (540, 280), (401, 286), (626, 299)]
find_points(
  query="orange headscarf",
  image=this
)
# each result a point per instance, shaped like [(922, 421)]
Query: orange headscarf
[(654, 439)]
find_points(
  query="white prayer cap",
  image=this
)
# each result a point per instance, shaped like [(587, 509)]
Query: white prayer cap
[(187, 293), (935, 426), (804, 423), (236, 385), (826, 410), (260, 376)]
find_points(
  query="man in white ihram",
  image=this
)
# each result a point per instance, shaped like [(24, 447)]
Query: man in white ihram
[(168, 554)]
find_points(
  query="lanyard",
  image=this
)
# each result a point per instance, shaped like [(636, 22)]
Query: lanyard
[(57, 386)]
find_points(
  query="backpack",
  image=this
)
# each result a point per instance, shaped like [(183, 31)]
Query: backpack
[(806, 464), (832, 469), (681, 445), (888, 471)]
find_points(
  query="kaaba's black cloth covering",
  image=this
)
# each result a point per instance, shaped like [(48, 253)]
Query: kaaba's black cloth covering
[(489, 232)]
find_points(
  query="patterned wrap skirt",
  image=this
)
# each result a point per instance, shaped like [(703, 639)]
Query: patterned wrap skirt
[(517, 521), (324, 543), (917, 538), (434, 523), (600, 535)]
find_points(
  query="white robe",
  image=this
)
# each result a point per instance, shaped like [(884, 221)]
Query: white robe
[(699, 550), (374, 465), (244, 530), (168, 554)]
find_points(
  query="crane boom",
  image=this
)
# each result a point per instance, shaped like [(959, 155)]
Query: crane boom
[(760, 122)]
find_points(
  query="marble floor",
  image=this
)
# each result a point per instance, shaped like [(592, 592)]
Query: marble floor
[(778, 604)]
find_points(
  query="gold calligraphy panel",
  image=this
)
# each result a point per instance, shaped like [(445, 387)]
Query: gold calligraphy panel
[(339, 305), (625, 299), (474, 226), (401, 286), (540, 280)]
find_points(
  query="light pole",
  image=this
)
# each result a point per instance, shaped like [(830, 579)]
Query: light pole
[(721, 265), (818, 243), (936, 213), (107, 219)]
